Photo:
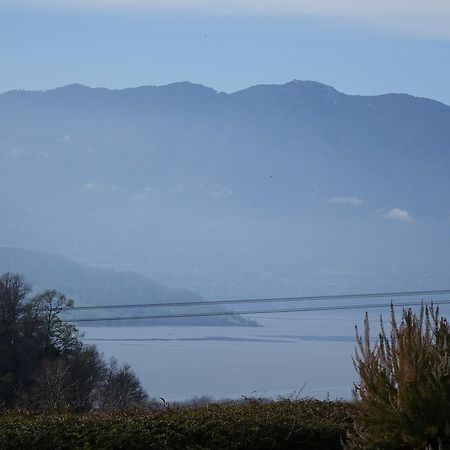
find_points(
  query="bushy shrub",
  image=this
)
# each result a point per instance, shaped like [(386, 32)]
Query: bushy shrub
[(249, 425), (403, 396)]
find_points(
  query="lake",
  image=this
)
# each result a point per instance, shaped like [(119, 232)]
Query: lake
[(289, 353)]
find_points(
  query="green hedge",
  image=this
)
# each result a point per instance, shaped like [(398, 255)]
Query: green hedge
[(307, 424)]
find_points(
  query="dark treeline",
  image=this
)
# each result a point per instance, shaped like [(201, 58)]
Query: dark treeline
[(44, 365)]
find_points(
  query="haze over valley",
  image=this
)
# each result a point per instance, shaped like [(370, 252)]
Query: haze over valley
[(275, 190)]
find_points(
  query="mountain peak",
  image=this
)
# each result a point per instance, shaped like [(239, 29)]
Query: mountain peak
[(188, 86), (309, 85), (294, 88), (73, 87)]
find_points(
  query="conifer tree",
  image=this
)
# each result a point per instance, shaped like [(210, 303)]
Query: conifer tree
[(403, 393)]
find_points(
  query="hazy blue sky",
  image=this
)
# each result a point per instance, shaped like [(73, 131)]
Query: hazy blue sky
[(363, 47)]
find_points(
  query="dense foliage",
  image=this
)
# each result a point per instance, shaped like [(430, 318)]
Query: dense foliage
[(404, 388), (306, 425), (44, 365)]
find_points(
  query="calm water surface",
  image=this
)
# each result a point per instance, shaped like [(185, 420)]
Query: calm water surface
[(285, 354)]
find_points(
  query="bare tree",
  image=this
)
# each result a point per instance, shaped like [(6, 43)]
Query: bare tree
[(58, 336), (122, 389), (53, 386)]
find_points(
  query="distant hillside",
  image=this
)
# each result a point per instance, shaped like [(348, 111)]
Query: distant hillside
[(272, 190), (89, 286)]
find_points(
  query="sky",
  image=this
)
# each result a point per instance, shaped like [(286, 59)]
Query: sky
[(357, 46)]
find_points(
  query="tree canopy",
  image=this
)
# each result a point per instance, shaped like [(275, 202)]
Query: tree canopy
[(44, 363)]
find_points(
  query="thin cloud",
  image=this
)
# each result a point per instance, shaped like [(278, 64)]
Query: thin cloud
[(89, 187), (346, 200), (397, 214), (12, 152), (341, 7), (406, 17), (415, 17), (220, 191), (145, 193), (66, 139)]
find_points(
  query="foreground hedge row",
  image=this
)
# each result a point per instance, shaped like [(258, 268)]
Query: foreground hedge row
[(307, 424)]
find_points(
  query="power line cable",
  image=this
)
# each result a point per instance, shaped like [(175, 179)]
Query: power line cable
[(265, 300), (253, 312)]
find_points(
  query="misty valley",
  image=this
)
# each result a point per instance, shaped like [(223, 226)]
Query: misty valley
[(188, 268), (180, 193)]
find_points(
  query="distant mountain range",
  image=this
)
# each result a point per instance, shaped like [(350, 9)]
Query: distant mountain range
[(91, 286), (272, 190)]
